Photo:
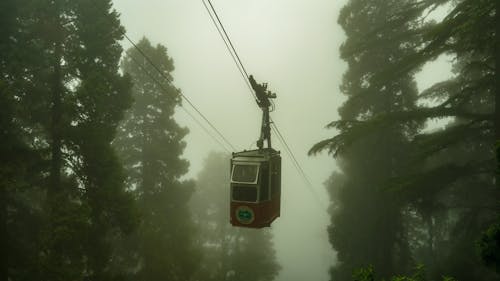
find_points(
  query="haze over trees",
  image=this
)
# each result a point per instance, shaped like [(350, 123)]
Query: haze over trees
[(94, 186), (91, 170), (407, 194), (150, 144), (61, 179)]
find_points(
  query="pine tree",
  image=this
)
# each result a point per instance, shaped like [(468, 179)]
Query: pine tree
[(61, 124), (7, 21), (459, 158), (446, 164), (21, 161), (367, 223), (151, 144), (102, 96)]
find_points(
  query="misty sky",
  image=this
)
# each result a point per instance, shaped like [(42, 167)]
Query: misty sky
[(292, 45)]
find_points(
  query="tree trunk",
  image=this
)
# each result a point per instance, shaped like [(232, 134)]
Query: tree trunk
[(56, 124), (497, 87), (4, 256), (54, 190), (497, 72)]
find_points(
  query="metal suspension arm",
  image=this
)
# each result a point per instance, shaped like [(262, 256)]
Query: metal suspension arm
[(263, 101)]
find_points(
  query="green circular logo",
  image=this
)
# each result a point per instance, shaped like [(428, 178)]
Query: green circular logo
[(244, 215)]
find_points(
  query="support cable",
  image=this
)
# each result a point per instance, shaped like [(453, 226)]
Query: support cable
[(181, 94), (228, 39), (229, 46), (295, 162), (181, 106)]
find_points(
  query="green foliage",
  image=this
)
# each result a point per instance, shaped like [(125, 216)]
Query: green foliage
[(368, 274), (498, 159), (150, 144), (62, 98), (364, 274), (367, 224), (418, 275), (489, 246), (441, 187)]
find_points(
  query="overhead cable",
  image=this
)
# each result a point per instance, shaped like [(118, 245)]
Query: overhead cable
[(229, 45), (181, 94), (181, 106), (295, 162)]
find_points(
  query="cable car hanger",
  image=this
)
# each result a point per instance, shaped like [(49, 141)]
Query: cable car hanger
[(255, 186), (263, 101)]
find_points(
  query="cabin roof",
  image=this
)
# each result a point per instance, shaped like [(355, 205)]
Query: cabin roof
[(257, 153)]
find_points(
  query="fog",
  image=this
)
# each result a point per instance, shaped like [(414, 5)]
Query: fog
[(293, 46), (115, 155)]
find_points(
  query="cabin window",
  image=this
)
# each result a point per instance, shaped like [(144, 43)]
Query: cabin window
[(264, 184), (245, 193), (245, 173)]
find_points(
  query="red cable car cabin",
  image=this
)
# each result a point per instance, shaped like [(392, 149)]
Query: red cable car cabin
[(255, 187)]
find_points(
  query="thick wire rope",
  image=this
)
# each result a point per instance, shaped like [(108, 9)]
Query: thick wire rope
[(296, 163), (288, 149), (229, 47), (228, 39), (181, 94), (181, 106)]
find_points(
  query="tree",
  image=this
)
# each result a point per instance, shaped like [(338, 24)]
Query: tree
[(229, 253), (103, 95), (368, 274), (21, 162), (367, 224), (60, 74), (445, 164), (151, 144), (461, 157)]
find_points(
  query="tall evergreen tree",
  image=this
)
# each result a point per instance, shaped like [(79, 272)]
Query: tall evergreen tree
[(101, 97), (447, 164), (229, 253), (460, 158), (151, 144), (21, 163), (61, 75), (367, 224), (8, 22)]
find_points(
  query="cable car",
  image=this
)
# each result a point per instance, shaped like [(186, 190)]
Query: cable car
[(255, 186)]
